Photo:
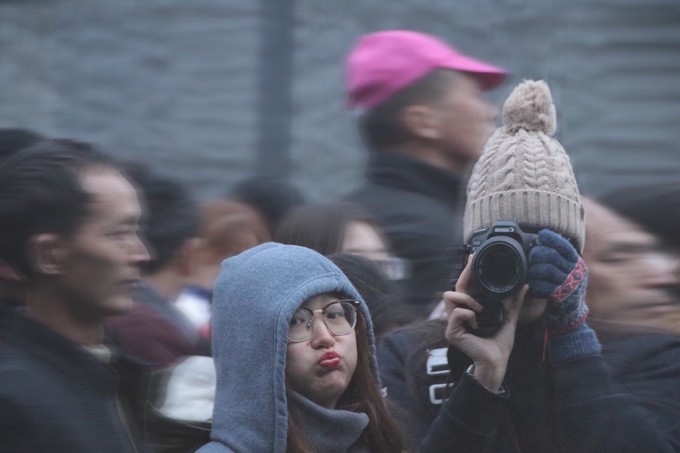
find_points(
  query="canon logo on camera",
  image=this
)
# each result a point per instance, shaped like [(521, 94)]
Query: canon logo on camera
[(504, 230)]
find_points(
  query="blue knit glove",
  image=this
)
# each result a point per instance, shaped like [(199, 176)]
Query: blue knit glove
[(559, 274)]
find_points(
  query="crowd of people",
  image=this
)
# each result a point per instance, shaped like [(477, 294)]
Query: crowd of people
[(466, 298)]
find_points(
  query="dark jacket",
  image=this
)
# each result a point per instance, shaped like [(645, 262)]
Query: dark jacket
[(418, 205), (6, 317), (57, 397), (570, 407), (647, 366)]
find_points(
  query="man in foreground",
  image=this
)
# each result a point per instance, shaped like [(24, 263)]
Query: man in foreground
[(69, 224)]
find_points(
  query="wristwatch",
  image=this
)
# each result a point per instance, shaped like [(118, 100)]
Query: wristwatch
[(471, 371)]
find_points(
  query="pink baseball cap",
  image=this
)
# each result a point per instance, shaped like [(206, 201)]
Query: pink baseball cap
[(384, 62)]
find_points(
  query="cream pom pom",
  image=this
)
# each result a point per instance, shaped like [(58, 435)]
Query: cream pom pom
[(530, 107)]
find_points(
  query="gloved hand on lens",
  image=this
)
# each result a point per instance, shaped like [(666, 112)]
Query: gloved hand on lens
[(559, 274)]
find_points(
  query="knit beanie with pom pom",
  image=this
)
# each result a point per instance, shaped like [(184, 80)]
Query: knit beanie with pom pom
[(524, 174)]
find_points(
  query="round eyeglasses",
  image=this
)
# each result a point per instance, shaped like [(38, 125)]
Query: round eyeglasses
[(339, 316)]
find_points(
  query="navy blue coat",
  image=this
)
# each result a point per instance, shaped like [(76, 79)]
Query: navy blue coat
[(419, 207), (571, 407)]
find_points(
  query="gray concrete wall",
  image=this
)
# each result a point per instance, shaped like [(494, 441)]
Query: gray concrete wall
[(176, 82), (170, 82)]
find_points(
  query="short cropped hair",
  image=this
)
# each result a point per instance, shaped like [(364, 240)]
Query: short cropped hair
[(654, 206), (381, 127), (13, 140), (171, 215), (41, 192)]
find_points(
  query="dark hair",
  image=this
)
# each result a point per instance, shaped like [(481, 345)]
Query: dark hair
[(272, 198), (41, 192), (654, 207), (362, 395), (380, 294), (171, 214), (13, 140), (381, 127), (321, 226)]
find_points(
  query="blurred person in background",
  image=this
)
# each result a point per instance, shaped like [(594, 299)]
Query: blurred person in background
[(227, 228), (633, 280), (154, 330), (380, 293), (273, 198), (181, 408), (424, 119), (69, 224), (12, 140), (635, 311), (655, 207), (341, 227)]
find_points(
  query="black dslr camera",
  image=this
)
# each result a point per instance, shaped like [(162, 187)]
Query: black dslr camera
[(499, 270)]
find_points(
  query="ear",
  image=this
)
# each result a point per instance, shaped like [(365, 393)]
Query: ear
[(47, 253), (422, 121)]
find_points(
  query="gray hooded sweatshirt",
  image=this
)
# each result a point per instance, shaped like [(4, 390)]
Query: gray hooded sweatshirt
[(255, 296)]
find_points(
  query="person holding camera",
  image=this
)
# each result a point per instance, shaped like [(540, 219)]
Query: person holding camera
[(515, 366)]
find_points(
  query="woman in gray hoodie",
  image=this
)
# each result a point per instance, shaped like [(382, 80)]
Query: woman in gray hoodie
[(295, 358)]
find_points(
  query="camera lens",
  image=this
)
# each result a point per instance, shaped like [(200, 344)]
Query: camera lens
[(500, 266)]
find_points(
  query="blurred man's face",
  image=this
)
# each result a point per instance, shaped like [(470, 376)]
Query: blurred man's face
[(632, 280), (101, 261), (468, 120)]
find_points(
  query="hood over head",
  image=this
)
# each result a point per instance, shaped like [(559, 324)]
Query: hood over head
[(255, 296)]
